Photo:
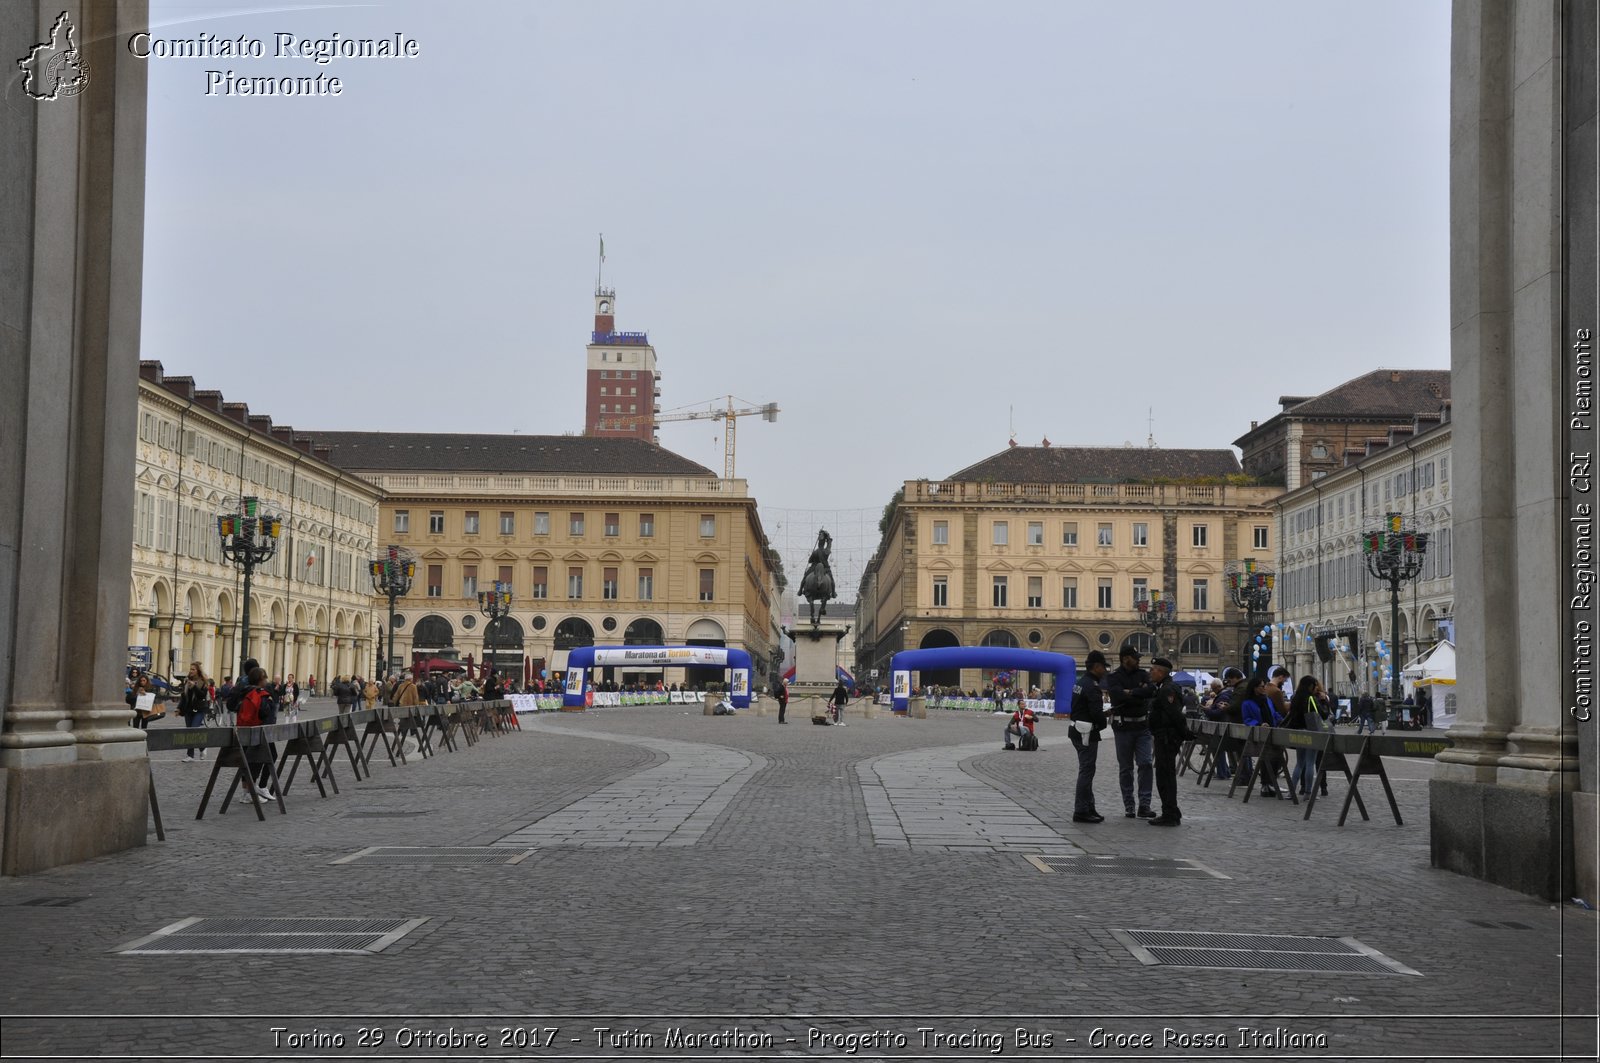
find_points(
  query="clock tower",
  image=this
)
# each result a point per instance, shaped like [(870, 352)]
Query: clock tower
[(623, 387)]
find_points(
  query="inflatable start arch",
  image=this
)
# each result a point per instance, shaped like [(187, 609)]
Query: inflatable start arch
[(902, 664), (582, 662)]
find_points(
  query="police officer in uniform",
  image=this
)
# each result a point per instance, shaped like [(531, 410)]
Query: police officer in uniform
[(1131, 691), (1088, 707), (1167, 730)]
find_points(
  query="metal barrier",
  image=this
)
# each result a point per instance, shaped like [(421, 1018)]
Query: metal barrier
[(247, 749), (1353, 756)]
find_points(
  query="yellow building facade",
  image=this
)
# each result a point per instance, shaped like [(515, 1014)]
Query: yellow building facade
[(602, 541), (311, 603), (1062, 566)]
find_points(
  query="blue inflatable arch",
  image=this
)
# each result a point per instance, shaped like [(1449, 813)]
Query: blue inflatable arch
[(902, 664), (582, 662)]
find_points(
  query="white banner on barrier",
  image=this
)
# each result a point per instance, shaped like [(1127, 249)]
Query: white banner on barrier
[(524, 703), (677, 697)]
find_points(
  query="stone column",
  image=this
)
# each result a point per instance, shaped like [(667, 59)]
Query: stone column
[(71, 246), (1501, 806)]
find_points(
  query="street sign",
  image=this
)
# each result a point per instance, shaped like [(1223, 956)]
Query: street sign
[(874, 673), (139, 657)]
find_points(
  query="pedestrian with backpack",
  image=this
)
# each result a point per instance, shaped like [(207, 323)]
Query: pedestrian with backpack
[(258, 707)]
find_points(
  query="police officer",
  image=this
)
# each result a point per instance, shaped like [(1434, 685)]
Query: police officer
[(1131, 691), (1088, 708), (1167, 730)]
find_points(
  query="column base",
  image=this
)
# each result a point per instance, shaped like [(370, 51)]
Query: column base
[(1585, 857), (59, 814), (1515, 837)]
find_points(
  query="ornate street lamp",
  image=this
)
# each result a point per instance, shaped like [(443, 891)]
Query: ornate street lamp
[(249, 537), (392, 573), (1250, 586), (493, 604), (1157, 613), (1394, 554)]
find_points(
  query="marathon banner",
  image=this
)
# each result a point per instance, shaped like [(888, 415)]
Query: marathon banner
[(711, 656)]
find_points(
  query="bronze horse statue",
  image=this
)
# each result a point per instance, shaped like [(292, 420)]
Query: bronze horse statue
[(816, 587)]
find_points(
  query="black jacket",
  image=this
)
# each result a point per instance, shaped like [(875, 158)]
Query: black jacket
[(1088, 706), (1166, 713), (1131, 692)]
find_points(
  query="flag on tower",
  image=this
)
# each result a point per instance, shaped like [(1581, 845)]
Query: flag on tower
[(602, 247)]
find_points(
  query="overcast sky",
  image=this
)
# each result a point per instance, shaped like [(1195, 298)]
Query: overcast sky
[(910, 224)]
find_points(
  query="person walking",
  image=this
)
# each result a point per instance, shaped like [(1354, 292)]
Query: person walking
[(193, 699), (1088, 713), (345, 694), (1365, 710), (1168, 729), (780, 694), (837, 702), (1131, 691)]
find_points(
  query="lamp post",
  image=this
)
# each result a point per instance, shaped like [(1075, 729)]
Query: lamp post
[(392, 573), (1250, 586), (1156, 613), (493, 604), (249, 537), (1394, 554)]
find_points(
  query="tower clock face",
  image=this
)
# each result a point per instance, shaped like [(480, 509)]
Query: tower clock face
[(605, 306)]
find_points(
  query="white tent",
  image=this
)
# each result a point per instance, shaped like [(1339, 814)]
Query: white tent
[(1437, 666)]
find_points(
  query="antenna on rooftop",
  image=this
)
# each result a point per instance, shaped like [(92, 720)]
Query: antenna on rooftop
[(1150, 420)]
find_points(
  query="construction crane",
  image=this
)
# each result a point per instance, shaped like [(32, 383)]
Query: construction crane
[(729, 416)]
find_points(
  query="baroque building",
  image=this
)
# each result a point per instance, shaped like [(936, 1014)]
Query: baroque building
[(311, 603), (1309, 435), (1324, 587), (1053, 548), (602, 540)]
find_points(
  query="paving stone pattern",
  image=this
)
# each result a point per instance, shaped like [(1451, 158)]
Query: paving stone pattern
[(673, 803), (787, 905), (923, 800)]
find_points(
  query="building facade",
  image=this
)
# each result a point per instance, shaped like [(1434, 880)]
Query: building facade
[(1324, 587), (311, 603), (622, 389), (1309, 436), (1053, 548), (601, 540)]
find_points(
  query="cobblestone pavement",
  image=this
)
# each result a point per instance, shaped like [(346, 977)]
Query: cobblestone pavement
[(786, 918)]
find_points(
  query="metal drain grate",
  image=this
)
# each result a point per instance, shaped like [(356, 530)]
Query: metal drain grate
[(381, 815), (51, 902), (1257, 952), (418, 856), (1489, 925), (1125, 866), (271, 935)]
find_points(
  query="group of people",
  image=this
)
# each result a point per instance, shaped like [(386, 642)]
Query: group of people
[(1145, 711), (1148, 716)]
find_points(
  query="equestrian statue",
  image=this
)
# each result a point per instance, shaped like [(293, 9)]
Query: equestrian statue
[(816, 587)]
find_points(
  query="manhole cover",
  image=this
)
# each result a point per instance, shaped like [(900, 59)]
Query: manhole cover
[(1124, 866), (414, 856), (52, 902), (380, 815), (226, 935), (1256, 952)]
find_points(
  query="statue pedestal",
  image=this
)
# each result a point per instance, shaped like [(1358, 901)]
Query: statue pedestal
[(816, 651)]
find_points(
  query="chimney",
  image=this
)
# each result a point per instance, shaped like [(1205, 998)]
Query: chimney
[(261, 423), (151, 371), (1394, 376), (239, 411), (211, 400), (1254, 425), (282, 433)]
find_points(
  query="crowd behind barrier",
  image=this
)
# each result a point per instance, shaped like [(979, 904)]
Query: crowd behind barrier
[(355, 736), (974, 703), (1266, 749)]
